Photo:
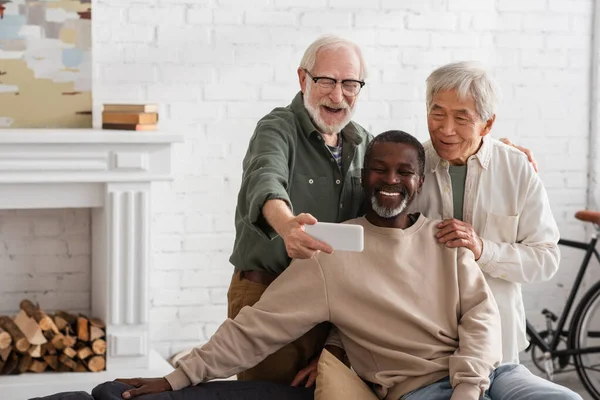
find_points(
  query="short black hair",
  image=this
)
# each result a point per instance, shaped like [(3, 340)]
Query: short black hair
[(394, 136)]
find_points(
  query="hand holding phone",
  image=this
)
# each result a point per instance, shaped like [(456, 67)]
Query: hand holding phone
[(343, 237)]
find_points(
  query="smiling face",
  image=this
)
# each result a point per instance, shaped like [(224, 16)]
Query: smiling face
[(455, 128), (332, 111), (391, 179)]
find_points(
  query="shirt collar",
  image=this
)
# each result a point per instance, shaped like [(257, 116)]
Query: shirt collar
[(483, 156), (349, 132)]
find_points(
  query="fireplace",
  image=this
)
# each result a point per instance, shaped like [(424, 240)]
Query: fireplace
[(110, 172)]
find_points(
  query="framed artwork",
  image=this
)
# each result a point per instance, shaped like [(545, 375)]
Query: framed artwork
[(45, 64)]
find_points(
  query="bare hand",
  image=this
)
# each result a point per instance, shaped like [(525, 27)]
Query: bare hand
[(145, 386), (298, 243), (456, 233), (527, 152), (308, 373)]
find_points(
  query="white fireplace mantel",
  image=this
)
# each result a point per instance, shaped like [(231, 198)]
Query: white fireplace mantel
[(110, 172)]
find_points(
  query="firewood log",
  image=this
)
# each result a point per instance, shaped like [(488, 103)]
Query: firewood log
[(80, 367), (70, 318), (52, 361), (35, 351), (6, 339), (58, 342), (12, 365), (63, 368), (5, 353), (96, 363), (95, 333), (83, 330), (67, 361), (21, 344), (31, 330), (99, 346), (33, 311), (84, 353), (69, 341), (69, 352), (49, 348), (60, 323), (38, 366), (97, 322), (24, 363)]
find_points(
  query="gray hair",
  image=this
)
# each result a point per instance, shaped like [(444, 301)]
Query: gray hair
[(331, 42), (467, 78)]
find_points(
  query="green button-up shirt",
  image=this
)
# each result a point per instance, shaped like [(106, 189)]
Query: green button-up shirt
[(288, 159)]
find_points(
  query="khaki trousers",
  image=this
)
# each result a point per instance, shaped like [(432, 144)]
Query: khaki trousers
[(283, 365)]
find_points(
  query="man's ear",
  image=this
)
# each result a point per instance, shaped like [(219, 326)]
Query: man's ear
[(420, 184), (302, 79), (488, 125)]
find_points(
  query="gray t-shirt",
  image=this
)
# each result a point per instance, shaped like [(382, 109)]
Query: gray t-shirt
[(458, 176)]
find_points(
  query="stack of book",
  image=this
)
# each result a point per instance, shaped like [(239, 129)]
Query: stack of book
[(131, 117)]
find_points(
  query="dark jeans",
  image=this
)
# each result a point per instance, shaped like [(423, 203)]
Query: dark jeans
[(220, 390)]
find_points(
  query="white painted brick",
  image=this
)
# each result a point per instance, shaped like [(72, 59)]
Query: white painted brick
[(220, 242), (532, 58), (50, 226), (169, 35), (77, 282), (255, 110), (141, 3), (468, 5), (581, 25), (198, 223), (58, 264), (271, 18), (426, 58), (562, 41), (255, 73), (300, 3), (546, 23), (224, 223), (521, 6), (176, 73), (165, 16), (334, 19), (280, 92), (15, 226), (206, 313), (434, 21), (174, 92), (378, 19), (130, 33), (203, 110), (519, 41), (180, 261), (408, 5), (151, 54), (129, 73), (266, 55), (46, 246), (230, 91), (504, 22), (78, 246), (579, 59), (455, 40), (205, 54), (108, 14), (167, 223), (199, 16), (216, 277), (175, 331), (393, 91), (164, 314), (166, 243), (244, 3), (240, 35), (199, 184), (354, 4), (178, 297), (228, 17), (583, 7), (404, 38), (282, 36), (117, 92), (362, 37), (165, 280), (191, 3)]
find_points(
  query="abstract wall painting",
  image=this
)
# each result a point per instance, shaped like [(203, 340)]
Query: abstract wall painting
[(45, 64)]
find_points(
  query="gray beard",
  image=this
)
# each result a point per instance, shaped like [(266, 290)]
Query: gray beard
[(385, 212)]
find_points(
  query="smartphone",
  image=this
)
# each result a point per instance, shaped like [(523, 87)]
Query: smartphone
[(344, 237)]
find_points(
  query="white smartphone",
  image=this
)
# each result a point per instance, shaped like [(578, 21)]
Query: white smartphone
[(344, 237)]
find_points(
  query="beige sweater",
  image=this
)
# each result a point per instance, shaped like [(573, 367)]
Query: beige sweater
[(409, 312)]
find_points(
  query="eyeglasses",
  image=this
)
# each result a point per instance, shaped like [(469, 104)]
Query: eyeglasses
[(350, 87)]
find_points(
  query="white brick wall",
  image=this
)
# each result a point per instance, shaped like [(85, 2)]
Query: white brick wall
[(217, 66)]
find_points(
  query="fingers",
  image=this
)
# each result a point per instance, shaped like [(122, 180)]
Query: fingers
[(506, 141), (306, 218), (311, 379), (130, 394), (300, 377)]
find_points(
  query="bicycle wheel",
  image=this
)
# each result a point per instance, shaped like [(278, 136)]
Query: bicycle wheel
[(584, 333)]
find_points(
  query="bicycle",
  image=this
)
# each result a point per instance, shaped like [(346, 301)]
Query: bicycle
[(582, 340)]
